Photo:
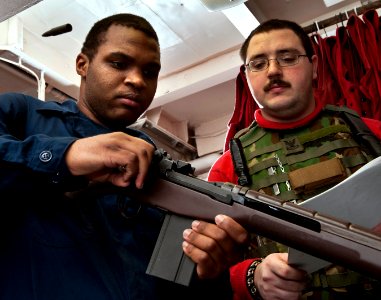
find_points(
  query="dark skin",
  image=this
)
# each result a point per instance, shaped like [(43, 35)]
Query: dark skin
[(117, 85)]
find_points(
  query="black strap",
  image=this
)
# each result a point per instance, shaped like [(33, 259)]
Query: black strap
[(239, 162)]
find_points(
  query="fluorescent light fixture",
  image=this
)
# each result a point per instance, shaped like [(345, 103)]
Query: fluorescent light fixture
[(242, 19), (329, 3), (215, 5)]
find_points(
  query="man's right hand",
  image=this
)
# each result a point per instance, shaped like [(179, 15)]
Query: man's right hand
[(113, 157), (215, 247), (275, 279)]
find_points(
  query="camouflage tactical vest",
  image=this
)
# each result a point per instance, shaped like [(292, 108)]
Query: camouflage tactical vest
[(299, 163)]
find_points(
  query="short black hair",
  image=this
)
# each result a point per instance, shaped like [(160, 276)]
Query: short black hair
[(95, 37), (276, 24)]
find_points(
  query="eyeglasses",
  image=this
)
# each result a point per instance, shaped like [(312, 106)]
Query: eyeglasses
[(283, 60)]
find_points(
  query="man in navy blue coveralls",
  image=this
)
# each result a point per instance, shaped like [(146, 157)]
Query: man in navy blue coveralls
[(54, 247)]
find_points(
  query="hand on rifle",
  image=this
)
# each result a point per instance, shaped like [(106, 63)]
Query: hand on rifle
[(215, 247), (113, 157), (276, 279)]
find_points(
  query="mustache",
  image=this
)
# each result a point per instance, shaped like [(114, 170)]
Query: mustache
[(276, 82)]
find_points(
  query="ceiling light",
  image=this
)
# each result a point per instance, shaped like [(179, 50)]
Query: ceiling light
[(215, 5), (329, 3), (242, 19)]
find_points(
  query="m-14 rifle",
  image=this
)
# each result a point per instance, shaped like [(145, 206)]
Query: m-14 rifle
[(181, 194), (184, 197)]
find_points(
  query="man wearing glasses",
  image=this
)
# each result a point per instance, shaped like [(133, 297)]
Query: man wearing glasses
[(292, 131)]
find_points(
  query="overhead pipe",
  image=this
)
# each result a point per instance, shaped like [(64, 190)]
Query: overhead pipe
[(55, 78)]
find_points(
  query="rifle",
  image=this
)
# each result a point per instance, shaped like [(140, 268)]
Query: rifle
[(186, 198), (174, 189)]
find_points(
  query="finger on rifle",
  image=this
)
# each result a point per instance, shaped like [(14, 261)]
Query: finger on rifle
[(233, 229), (145, 158)]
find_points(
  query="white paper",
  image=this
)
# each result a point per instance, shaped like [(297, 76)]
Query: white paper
[(356, 199)]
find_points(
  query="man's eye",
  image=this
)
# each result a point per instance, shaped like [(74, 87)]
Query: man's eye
[(151, 73), (118, 64), (288, 58), (259, 64)]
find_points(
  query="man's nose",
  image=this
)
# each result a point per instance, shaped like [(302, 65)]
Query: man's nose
[(274, 67), (134, 76)]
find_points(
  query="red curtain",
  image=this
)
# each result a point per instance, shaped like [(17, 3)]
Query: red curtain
[(353, 56), (243, 113), (349, 72)]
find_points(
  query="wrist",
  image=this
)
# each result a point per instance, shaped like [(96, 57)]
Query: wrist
[(250, 279)]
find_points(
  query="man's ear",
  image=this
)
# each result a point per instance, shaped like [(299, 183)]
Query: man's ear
[(81, 64)]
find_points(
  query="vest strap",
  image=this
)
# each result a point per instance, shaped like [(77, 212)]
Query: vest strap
[(302, 139), (268, 149), (320, 151), (320, 279), (323, 132), (269, 180), (250, 139), (263, 165), (348, 161), (354, 160)]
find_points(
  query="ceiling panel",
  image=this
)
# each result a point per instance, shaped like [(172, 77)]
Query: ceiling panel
[(181, 26)]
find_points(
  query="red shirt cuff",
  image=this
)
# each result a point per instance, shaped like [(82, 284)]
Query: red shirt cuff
[(238, 280)]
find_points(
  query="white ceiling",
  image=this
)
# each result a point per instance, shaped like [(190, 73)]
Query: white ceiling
[(199, 47)]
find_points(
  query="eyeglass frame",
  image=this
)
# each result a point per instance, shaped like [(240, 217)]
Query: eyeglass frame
[(276, 59)]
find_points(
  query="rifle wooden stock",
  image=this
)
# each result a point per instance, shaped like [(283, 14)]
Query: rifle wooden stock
[(320, 235)]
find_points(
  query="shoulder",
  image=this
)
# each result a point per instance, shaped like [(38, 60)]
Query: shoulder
[(24, 99), (374, 125), (16, 102), (222, 169), (16, 98)]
